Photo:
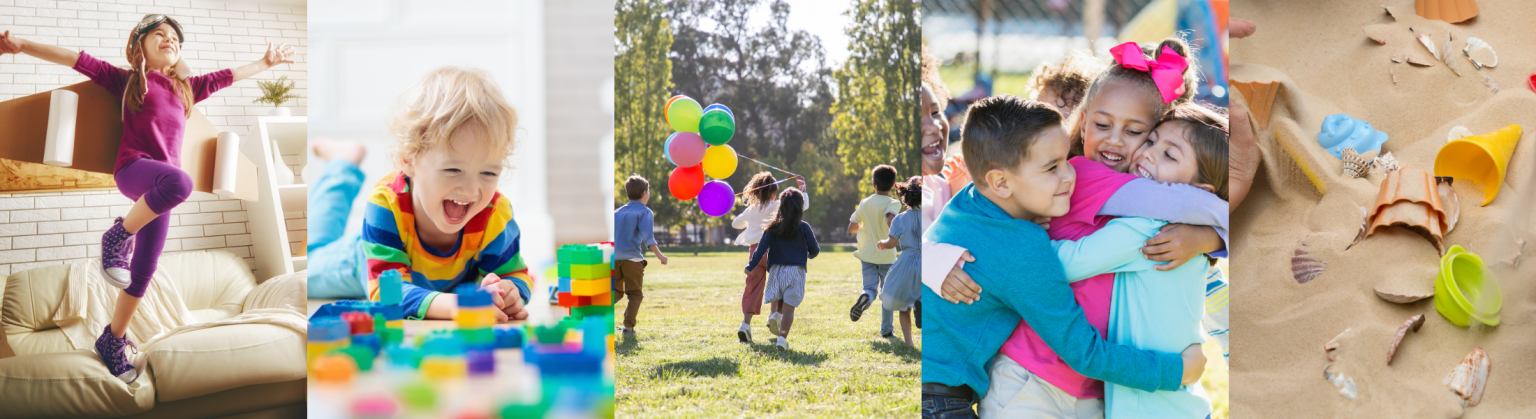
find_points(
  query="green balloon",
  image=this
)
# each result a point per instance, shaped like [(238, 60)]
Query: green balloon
[(717, 126), (684, 115)]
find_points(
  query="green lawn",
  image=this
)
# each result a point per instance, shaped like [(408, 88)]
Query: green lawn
[(959, 80), (687, 358), (687, 361)]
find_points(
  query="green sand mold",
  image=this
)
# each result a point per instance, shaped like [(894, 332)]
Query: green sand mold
[(1464, 291)]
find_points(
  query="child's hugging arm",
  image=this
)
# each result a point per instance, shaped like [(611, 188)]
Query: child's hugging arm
[(1047, 303), (1174, 203), (1114, 248), (762, 249), (813, 248)]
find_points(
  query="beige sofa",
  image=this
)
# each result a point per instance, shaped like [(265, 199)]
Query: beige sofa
[(245, 370)]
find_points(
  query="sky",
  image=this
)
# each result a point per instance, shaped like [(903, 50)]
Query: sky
[(822, 18)]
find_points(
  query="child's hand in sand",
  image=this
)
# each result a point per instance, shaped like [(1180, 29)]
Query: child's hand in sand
[(1194, 364), (958, 285), (1177, 243), (1244, 157)]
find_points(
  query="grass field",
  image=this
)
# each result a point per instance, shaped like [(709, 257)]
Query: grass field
[(687, 358), (688, 363)]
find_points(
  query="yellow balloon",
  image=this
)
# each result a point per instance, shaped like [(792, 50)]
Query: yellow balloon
[(720, 161)]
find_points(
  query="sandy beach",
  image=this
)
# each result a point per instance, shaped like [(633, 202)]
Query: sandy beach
[(1319, 53)]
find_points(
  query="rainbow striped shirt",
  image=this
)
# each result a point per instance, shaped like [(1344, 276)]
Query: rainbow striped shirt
[(488, 243)]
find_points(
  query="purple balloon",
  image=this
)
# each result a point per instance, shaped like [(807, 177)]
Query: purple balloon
[(686, 149), (717, 198)]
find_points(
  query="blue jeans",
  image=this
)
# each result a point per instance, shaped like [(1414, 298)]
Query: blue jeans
[(945, 407), (874, 280), (333, 254)]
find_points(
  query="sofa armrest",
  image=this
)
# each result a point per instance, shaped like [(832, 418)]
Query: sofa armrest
[(69, 384)]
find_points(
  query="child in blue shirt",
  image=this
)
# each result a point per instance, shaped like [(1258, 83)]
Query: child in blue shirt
[(1017, 152), (631, 236)]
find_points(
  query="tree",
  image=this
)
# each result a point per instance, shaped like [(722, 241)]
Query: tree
[(642, 80), (877, 109)]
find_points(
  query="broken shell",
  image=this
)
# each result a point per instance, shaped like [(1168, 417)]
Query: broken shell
[(1385, 162), (1378, 33), (1452, 11), (1260, 97), (1412, 324), (1519, 250), (1354, 165), (1409, 199), (1391, 12), (1488, 82), (1333, 344), (1480, 53), (1419, 61), (1469, 377), (1393, 74), (1424, 39), (1365, 223), (1304, 267), (1397, 58), (1458, 132), (1450, 204), (1402, 298), (1345, 385)]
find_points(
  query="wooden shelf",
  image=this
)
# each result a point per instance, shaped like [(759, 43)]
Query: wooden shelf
[(276, 136), (295, 198)]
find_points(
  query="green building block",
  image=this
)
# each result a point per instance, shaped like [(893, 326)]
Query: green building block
[(592, 311), (550, 334), (579, 254)]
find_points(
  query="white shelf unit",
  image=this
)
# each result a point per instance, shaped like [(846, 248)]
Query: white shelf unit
[(276, 136)]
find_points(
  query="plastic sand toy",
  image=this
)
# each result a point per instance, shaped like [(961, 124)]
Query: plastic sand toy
[(1481, 159), (1464, 291), (1342, 131)]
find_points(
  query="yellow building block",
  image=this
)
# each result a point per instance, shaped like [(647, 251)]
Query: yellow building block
[(475, 318), (591, 287)]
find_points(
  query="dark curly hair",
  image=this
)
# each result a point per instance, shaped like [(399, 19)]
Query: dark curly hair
[(762, 190), (786, 223), (911, 192)]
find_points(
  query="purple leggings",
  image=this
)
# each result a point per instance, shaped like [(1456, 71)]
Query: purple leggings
[(163, 187)]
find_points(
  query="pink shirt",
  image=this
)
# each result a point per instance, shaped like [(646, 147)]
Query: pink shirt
[(154, 131), (1095, 184)]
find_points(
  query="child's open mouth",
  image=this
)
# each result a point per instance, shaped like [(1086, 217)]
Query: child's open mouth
[(1110, 157), (1143, 172), (931, 150), (455, 211)]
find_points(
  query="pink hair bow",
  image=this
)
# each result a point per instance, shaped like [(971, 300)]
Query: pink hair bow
[(1167, 71)]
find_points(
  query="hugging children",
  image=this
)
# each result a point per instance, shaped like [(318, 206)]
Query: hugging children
[(157, 93), (1133, 118), (438, 219)]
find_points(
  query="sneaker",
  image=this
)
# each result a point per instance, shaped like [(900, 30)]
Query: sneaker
[(744, 333), (116, 247), (888, 335), (783, 343), (113, 352), (859, 307), (773, 322)]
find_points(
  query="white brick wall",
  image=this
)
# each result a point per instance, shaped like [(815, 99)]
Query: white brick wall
[(48, 236), (53, 228), (219, 35)]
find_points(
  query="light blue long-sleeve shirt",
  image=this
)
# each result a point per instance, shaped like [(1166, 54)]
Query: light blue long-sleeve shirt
[(632, 225)]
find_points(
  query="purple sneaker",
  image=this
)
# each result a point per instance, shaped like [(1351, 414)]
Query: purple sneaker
[(113, 351), (116, 246)]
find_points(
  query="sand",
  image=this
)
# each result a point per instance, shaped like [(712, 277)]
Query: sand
[(1319, 51)]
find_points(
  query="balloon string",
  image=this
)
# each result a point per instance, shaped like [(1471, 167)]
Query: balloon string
[(764, 186), (791, 174), (768, 165)]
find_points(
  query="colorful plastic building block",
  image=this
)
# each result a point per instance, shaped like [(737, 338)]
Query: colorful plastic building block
[(481, 362), (509, 338), (372, 341), (326, 334), (419, 395), (335, 368), (362, 356), (403, 356), (579, 254), (591, 287), (592, 271), (359, 323), (442, 367), (549, 334), (390, 287)]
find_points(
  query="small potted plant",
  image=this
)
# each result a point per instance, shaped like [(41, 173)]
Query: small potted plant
[(276, 92)]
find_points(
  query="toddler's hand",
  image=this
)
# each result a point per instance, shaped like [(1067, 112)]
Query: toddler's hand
[(957, 173), (514, 309), (492, 284), (1194, 364), (958, 285), (1178, 243), (1044, 222), (662, 258)]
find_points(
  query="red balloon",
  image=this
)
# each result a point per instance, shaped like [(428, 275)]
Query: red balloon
[(685, 182)]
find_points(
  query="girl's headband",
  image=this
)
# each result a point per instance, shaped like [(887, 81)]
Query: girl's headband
[(1167, 70)]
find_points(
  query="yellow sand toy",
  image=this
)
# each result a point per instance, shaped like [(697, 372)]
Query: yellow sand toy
[(1481, 159)]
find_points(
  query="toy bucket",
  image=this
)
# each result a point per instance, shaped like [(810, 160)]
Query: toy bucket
[(1464, 291), (1479, 158)]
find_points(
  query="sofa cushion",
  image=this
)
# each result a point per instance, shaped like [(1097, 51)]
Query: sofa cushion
[(274, 400), (210, 281), (31, 298), (69, 384), (220, 358)]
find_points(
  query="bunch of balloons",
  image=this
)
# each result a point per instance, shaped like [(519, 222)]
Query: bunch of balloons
[(698, 149)]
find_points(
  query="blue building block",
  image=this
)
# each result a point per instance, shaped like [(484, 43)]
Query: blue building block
[(509, 338), (565, 285), (372, 341), (328, 329), (471, 295), (594, 335), (393, 312), (390, 287)]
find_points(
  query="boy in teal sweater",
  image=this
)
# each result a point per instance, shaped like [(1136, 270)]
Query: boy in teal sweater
[(1016, 151)]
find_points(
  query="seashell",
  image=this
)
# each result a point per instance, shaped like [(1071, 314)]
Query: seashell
[(1354, 165), (1378, 32), (1480, 53), (1392, 297), (1458, 132), (1430, 44), (1365, 224), (1446, 56), (1393, 74), (1304, 267), (1397, 58), (1418, 61), (1413, 324), (1488, 82), (1409, 199), (1333, 344), (1469, 377), (1340, 131), (1260, 97), (1453, 11), (1449, 202), (1391, 11), (1385, 162)]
